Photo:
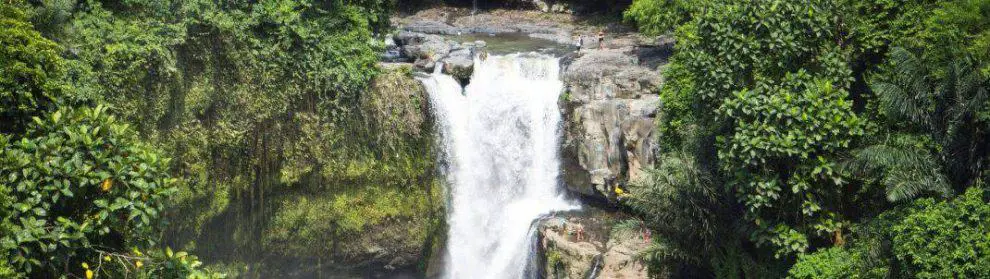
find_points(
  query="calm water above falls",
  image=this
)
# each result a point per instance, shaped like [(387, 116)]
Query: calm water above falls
[(500, 139)]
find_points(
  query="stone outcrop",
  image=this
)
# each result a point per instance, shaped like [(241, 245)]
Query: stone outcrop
[(588, 247), (425, 50), (460, 64), (610, 108)]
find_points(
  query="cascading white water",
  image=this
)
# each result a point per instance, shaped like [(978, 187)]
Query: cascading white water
[(500, 142)]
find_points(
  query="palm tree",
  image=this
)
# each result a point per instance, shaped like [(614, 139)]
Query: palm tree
[(681, 204), (697, 223), (938, 120)]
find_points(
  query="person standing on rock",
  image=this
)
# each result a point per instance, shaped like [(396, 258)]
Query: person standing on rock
[(578, 42), (601, 39)]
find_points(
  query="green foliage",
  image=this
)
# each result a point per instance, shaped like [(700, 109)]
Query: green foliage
[(30, 73), (681, 205), (79, 181), (78, 187), (905, 171), (779, 152), (259, 103), (867, 256), (8, 271), (870, 27), (780, 86), (156, 264), (940, 104), (812, 122), (676, 121), (946, 239), (658, 17), (827, 263), (342, 221), (927, 239), (953, 29), (693, 223)]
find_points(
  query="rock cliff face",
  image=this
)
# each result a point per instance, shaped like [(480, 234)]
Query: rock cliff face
[(610, 108)]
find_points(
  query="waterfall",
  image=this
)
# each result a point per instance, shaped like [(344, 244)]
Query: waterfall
[(500, 148)]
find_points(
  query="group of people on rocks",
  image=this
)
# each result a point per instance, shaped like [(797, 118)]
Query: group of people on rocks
[(579, 41), (577, 231)]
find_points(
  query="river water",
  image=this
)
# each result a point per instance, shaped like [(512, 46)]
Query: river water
[(499, 139)]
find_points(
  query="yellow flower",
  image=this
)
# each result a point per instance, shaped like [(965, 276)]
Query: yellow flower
[(106, 258), (138, 264), (105, 186), (89, 274)]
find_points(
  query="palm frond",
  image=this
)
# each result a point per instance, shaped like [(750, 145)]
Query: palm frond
[(906, 185), (898, 104), (906, 172), (906, 94)]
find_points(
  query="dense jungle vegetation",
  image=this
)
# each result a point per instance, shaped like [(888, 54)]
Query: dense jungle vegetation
[(132, 127), (821, 139)]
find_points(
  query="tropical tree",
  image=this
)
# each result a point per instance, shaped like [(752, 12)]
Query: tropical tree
[(695, 222), (926, 238), (939, 126)]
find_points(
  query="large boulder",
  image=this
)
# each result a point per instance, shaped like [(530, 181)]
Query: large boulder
[(613, 139), (610, 109), (424, 49), (459, 64), (610, 74)]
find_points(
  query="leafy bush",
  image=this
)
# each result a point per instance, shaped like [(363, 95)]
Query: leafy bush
[(927, 239), (954, 29), (80, 182), (834, 262), (947, 239)]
